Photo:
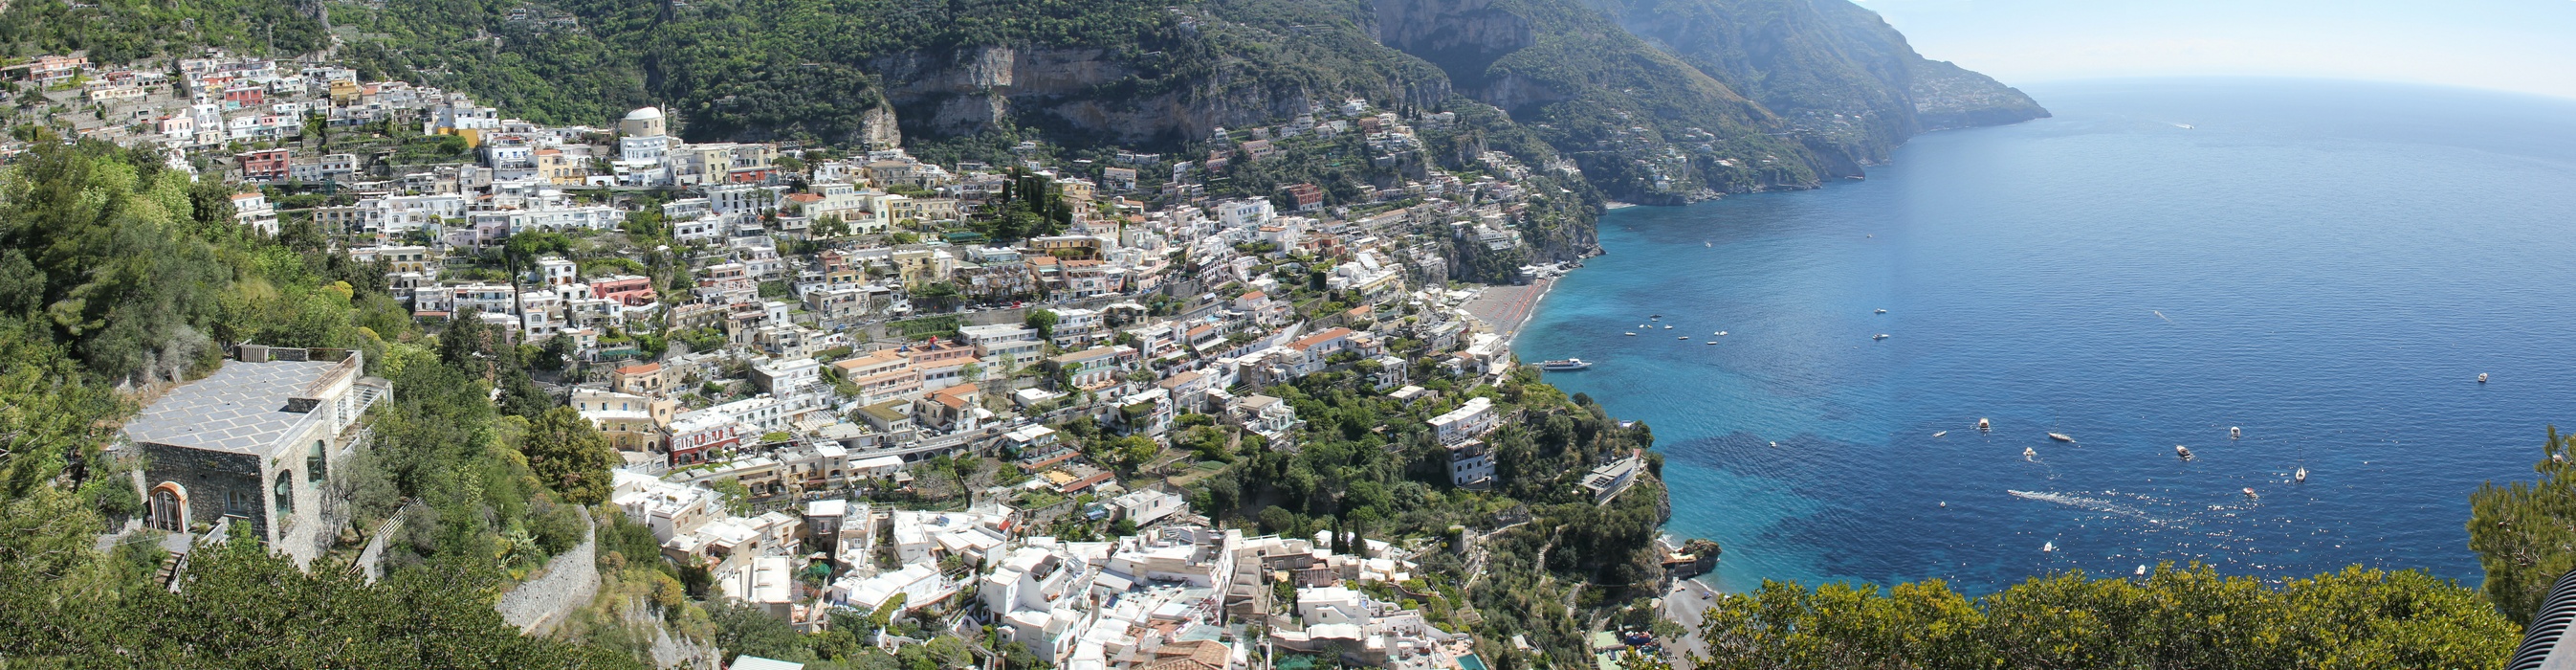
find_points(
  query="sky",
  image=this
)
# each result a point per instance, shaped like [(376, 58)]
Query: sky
[(2515, 45)]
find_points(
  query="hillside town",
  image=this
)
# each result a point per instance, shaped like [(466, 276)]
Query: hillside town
[(803, 356)]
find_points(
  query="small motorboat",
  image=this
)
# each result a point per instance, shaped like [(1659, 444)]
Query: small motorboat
[(1564, 365), (1941, 433), (2300, 477), (2182, 451), (1882, 311), (1632, 334), (1655, 317), (1775, 445), (1721, 333), (2142, 570), (1668, 327), (2249, 492), (1712, 343), (1684, 337), (1982, 425), (2061, 437), (2235, 433), (2482, 377), (2048, 546), (2028, 453), (1880, 336)]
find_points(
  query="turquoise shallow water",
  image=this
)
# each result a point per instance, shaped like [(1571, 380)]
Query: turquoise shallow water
[(2328, 265)]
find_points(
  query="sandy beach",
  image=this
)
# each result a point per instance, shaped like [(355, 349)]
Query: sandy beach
[(1508, 308)]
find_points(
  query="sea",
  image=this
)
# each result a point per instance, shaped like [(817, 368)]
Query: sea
[(2327, 265)]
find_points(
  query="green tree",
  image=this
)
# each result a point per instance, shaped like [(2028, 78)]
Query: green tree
[(1043, 321), (2525, 532), (569, 455), (2177, 618)]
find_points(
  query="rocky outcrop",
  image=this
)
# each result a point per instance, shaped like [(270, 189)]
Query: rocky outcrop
[(1109, 96)]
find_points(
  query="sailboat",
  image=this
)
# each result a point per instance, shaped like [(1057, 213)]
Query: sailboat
[(2185, 453), (2061, 437), (2301, 476)]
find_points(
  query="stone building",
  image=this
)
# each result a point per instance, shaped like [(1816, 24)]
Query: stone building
[(258, 443)]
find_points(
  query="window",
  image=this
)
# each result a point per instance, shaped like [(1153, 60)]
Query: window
[(285, 496), (316, 463)]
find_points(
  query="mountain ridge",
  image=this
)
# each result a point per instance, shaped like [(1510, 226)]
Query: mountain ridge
[(1657, 101)]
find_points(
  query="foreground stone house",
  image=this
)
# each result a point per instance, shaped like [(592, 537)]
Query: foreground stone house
[(258, 443)]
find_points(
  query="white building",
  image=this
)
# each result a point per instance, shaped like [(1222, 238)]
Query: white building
[(1467, 422)]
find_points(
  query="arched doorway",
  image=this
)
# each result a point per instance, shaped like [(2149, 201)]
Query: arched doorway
[(169, 507)]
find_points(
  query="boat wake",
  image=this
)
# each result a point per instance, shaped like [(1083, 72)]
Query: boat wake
[(2081, 502)]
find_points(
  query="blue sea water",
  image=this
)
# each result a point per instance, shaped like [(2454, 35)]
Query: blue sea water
[(2328, 265)]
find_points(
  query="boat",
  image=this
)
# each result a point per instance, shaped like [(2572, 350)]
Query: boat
[(2029, 453), (1882, 311), (1775, 445), (2182, 451), (1656, 317), (1684, 337), (2301, 476), (1564, 365), (2482, 377), (1945, 503), (2235, 433), (1668, 327), (1938, 434), (2061, 437), (1982, 425), (2249, 492), (1880, 336), (2142, 570), (1721, 333), (1712, 343), (2048, 546), (1632, 334)]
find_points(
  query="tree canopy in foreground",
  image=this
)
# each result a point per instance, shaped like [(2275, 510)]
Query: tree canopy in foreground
[(2181, 618)]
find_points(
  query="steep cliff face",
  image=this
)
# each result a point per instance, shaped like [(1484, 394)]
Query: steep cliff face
[(1213, 72)]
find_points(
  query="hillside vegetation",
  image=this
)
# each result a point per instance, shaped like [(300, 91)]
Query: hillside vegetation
[(1657, 101)]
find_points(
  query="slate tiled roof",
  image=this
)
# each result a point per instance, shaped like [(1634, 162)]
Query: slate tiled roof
[(240, 409)]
